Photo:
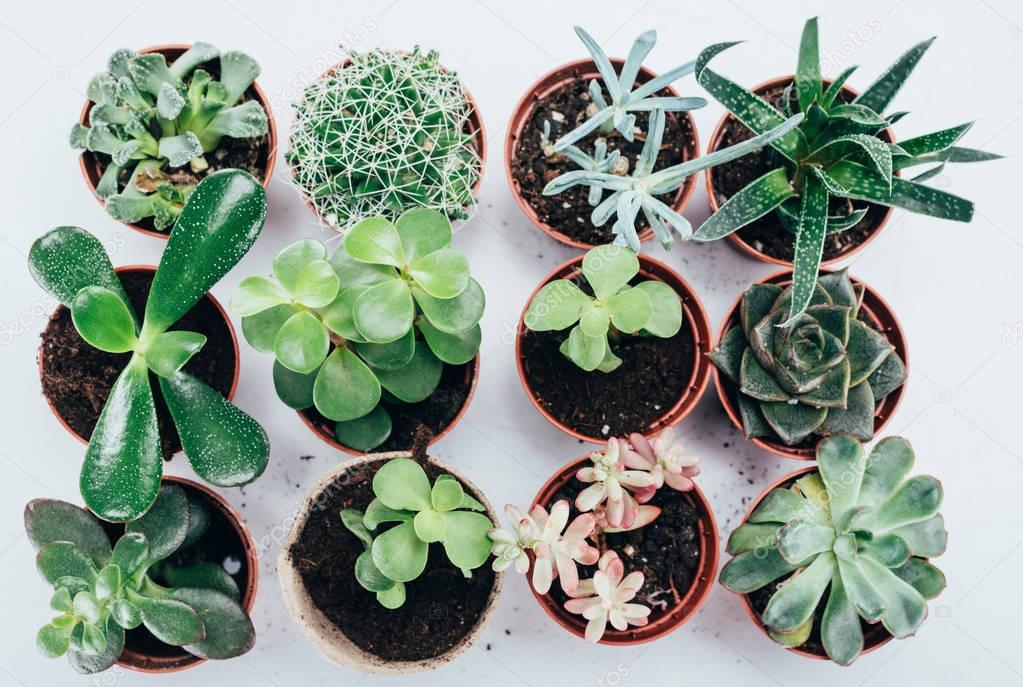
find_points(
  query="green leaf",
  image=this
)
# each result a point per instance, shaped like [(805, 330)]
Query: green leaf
[(836, 87), (170, 621), (795, 601), (446, 494), (294, 388), (925, 578), (608, 269), (228, 629), (585, 351), (104, 320), (665, 309), (377, 513), (927, 538), (863, 184), (751, 203), (799, 540), (339, 315), (245, 120), (399, 553), (365, 433), (50, 520), (64, 559), (352, 273), (630, 310), (170, 351), (758, 383), (389, 356), (888, 465), (122, 468), (465, 541), (108, 582), (905, 608), (125, 614), (375, 240), (857, 418), (61, 600), (289, 264), (866, 349), (442, 274), (53, 641), (453, 349), (165, 524), (841, 462), (256, 295), (369, 576), (750, 536), (890, 550), (729, 353), (417, 380), (808, 70), (393, 597), (813, 225), (150, 72), (841, 632), (224, 445), (87, 663), (302, 343), (402, 484), (198, 520), (876, 151), (779, 506), (423, 231), (130, 552), (352, 519), (384, 313), (237, 72), (453, 315), (180, 150), (317, 285), (880, 93), (345, 388), (193, 57), (430, 526), (915, 500), (556, 306), (752, 570)]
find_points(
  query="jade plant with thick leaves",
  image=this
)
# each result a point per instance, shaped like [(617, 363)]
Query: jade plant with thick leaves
[(145, 580), (154, 119), (822, 373), (370, 325), (123, 464), (612, 308), (838, 151), (855, 535), (420, 514)]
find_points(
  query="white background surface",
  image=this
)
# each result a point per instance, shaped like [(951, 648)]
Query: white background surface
[(956, 289)]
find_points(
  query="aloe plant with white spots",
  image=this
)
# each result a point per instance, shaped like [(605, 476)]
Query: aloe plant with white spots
[(615, 308), (820, 374), (154, 118), (123, 464), (855, 535), (375, 322), (148, 578), (638, 191), (838, 151), (417, 514)]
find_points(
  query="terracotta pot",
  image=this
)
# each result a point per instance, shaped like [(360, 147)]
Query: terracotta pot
[(875, 307), (472, 377), (92, 170), (693, 315), (333, 644), (474, 125), (555, 80), (737, 241), (151, 269), (665, 622), (748, 606), (174, 662)]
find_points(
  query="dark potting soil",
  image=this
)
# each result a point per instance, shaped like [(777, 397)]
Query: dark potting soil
[(442, 606), (432, 415), (77, 378), (569, 212), (767, 234), (667, 551)]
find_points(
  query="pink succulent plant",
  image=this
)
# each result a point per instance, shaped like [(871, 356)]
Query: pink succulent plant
[(606, 598), (610, 482), (664, 460)]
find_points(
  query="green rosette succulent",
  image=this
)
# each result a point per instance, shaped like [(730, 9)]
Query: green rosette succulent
[(855, 536), (822, 373)]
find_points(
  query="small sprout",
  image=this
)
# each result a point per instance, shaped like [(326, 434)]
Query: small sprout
[(610, 484), (605, 598), (664, 460)]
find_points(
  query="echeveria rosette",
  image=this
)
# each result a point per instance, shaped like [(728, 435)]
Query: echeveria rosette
[(615, 308), (123, 463), (607, 598), (421, 514), (100, 591), (155, 118), (610, 481), (856, 536), (838, 150), (375, 321), (821, 374)]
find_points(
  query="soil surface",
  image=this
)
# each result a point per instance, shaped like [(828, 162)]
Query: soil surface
[(442, 606), (767, 234), (77, 378), (569, 212), (434, 414)]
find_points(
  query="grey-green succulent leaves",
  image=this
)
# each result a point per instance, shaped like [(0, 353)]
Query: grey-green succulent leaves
[(154, 118), (837, 151), (822, 373), (442, 513), (123, 463), (648, 308), (856, 536), (148, 578), (383, 314)]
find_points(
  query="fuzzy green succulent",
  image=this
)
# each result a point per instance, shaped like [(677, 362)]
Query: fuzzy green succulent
[(155, 118), (838, 151), (383, 133), (822, 373), (374, 323), (442, 513), (854, 535), (149, 578)]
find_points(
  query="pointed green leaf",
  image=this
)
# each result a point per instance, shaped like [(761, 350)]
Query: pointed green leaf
[(813, 221), (793, 422), (863, 184), (751, 203), (857, 418), (888, 377), (729, 353), (756, 382), (880, 93), (808, 70)]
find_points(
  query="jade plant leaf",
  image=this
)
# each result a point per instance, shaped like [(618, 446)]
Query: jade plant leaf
[(50, 520), (228, 629), (165, 525), (171, 621), (203, 575), (103, 319), (170, 351), (63, 559)]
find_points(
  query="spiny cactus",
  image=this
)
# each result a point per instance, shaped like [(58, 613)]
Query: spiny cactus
[(859, 527), (383, 133)]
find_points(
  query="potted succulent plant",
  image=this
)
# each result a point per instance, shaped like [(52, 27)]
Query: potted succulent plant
[(838, 367), (159, 121), (385, 132), (833, 561), (634, 509), (612, 343), (821, 192), (124, 461), (594, 104), (375, 342), (384, 566), (152, 595)]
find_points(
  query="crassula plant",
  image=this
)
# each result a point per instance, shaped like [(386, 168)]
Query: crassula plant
[(123, 464), (821, 373), (420, 514), (855, 535), (375, 321), (838, 151), (100, 591), (159, 122), (382, 133), (612, 308)]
